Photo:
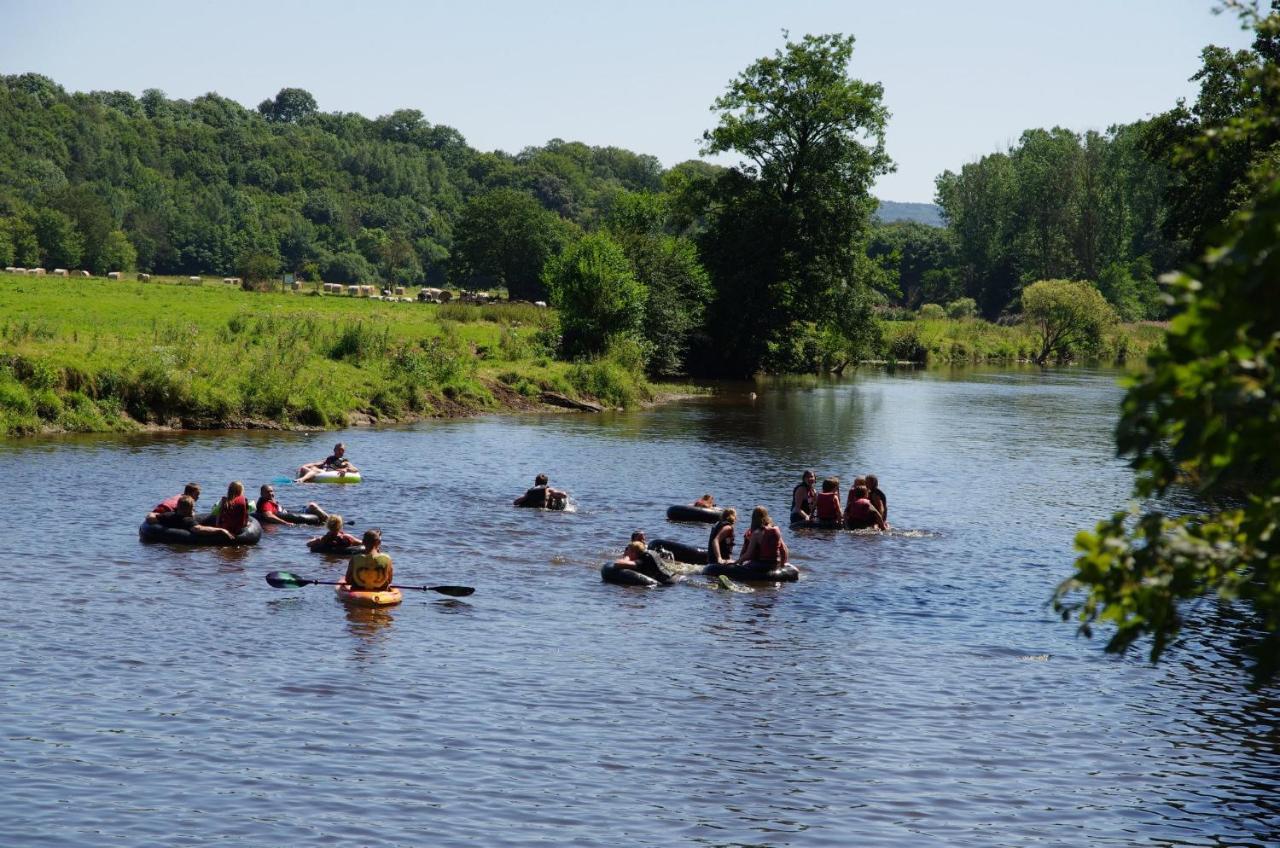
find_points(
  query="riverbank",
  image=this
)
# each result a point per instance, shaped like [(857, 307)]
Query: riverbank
[(92, 355), (950, 340)]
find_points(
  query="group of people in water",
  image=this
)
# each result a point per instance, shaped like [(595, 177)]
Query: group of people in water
[(762, 545), (370, 569), (867, 507)]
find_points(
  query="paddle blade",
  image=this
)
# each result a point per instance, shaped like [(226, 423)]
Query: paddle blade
[(281, 481), (455, 591), (286, 580)]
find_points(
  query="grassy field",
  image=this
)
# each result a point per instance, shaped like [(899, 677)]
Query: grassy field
[(96, 355), (972, 340)]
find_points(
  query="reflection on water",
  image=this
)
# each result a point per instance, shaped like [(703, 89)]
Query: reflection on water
[(911, 689)]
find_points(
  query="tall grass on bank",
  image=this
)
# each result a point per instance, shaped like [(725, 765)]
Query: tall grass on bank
[(938, 340), (92, 355)]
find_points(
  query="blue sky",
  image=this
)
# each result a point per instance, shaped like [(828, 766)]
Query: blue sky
[(961, 78)]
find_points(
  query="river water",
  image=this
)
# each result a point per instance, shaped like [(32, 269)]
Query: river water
[(911, 689)]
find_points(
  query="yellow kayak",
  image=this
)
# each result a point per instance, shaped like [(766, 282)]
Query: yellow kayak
[(385, 598)]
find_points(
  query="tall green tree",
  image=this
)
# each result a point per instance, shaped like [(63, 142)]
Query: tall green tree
[(504, 238), (788, 231), (61, 245)]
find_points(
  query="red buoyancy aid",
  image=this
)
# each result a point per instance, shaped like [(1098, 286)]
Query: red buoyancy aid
[(829, 506), (234, 515), (767, 549), (860, 513), (168, 505)]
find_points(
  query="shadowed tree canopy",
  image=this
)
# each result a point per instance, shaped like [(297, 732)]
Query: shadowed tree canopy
[(788, 227)]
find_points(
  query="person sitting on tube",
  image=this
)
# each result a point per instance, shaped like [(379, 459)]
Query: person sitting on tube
[(268, 508), (705, 502), (337, 462), (192, 490), (763, 542), (233, 510), (720, 542), (828, 509), (334, 536)]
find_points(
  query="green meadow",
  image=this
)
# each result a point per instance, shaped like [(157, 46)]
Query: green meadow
[(84, 355)]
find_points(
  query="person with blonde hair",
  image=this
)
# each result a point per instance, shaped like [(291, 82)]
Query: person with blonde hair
[(334, 538), (233, 509)]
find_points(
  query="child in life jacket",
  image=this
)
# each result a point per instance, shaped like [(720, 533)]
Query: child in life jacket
[(334, 536), (828, 508)]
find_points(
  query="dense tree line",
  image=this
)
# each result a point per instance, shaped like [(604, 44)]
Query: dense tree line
[(106, 180)]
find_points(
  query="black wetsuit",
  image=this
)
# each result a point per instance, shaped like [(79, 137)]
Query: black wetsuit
[(810, 501), (711, 542)]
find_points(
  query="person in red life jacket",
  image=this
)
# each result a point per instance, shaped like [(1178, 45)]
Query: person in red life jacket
[(182, 517), (192, 490), (877, 498), (268, 509), (860, 514), (763, 542), (233, 510), (803, 498), (542, 495), (720, 542), (334, 536), (706, 502), (336, 462), (828, 508)]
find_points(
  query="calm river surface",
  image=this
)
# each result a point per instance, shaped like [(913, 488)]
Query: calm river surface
[(911, 689)]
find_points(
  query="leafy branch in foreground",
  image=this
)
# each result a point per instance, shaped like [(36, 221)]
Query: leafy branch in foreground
[(1206, 415)]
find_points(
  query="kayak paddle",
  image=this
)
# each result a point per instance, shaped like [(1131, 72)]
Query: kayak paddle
[(289, 580)]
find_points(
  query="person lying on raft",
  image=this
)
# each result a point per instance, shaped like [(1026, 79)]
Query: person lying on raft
[(639, 558), (233, 510), (828, 510), (268, 509), (705, 502), (337, 462), (370, 571), (720, 542), (192, 490), (803, 498), (182, 517), (763, 542), (542, 496), (334, 536), (860, 514)]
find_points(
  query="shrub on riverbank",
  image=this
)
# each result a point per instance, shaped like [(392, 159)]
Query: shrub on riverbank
[(928, 340), (91, 355)]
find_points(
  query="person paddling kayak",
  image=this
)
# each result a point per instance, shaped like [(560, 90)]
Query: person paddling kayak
[(372, 570)]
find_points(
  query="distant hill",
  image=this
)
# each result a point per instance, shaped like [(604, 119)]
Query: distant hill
[(923, 213)]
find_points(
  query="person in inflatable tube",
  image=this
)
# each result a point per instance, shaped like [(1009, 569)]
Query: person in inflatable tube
[(705, 502), (192, 490), (638, 557), (182, 517), (720, 542), (372, 570), (233, 510), (804, 498), (268, 508), (334, 536), (542, 496), (763, 542), (337, 462)]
